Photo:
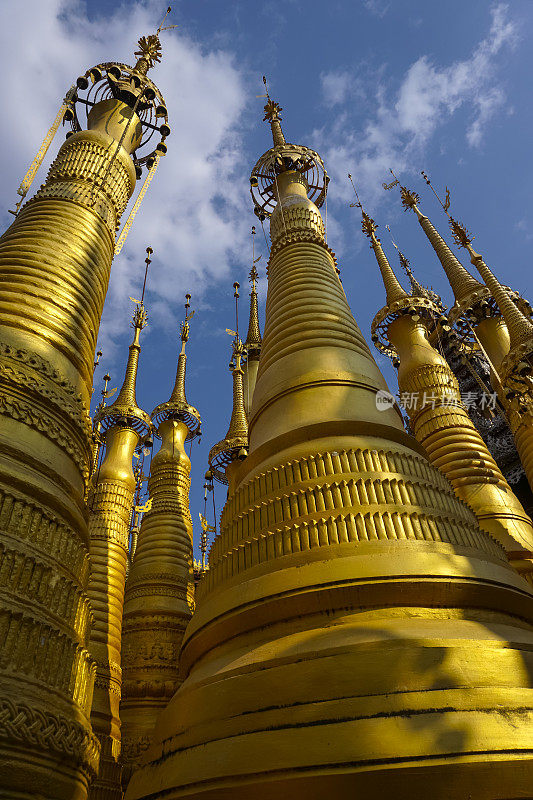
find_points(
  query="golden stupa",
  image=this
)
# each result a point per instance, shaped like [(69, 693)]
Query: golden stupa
[(55, 259), (362, 627), (357, 632)]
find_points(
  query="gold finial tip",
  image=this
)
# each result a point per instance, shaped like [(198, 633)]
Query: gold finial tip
[(462, 237), (272, 111), (149, 50), (409, 198), (368, 225), (149, 251)]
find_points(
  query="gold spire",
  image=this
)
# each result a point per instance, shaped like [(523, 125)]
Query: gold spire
[(417, 290), (520, 328), (273, 116), (235, 443), (178, 392), (155, 619), (58, 255), (393, 287), (253, 337), (238, 426), (462, 283), (338, 538), (125, 411), (149, 52), (177, 406)]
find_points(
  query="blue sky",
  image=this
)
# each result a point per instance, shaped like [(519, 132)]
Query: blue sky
[(443, 87)]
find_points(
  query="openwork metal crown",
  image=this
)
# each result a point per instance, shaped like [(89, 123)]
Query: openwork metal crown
[(124, 417), (421, 307), (279, 159), (131, 85), (181, 412)]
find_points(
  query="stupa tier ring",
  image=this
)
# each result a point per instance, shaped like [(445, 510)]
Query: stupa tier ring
[(124, 416), (222, 455), (466, 314), (280, 159), (180, 412), (113, 80), (417, 307)]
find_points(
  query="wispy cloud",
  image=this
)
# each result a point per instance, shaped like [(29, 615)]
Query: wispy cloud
[(193, 213), (377, 7), (405, 120), (338, 86)]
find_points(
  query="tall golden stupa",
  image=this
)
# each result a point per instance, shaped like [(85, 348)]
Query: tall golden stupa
[(357, 632), (364, 625), (55, 260)]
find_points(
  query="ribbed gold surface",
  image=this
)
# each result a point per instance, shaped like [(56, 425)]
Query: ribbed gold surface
[(441, 424), (55, 260), (159, 596)]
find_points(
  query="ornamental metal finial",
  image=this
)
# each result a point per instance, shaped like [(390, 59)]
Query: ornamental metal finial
[(273, 116), (149, 51), (368, 225), (253, 339), (461, 236)]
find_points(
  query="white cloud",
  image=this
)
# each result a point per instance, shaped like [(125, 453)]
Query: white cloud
[(377, 7), (194, 214), (338, 86), (404, 122), (335, 86)]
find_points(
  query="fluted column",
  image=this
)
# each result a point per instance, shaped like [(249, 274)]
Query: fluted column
[(110, 509), (442, 425), (111, 505), (159, 596), (440, 421)]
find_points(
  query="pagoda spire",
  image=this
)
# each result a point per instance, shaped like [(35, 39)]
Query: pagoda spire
[(253, 343), (516, 367), (159, 597), (474, 306), (56, 258), (273, 117), (178, 392), (126, 401), (253, 337), (123, 425), (238, 426), (417, 290), (234, 446), (520, 328), (440, 421), (461, 281), (393, 288), (337, 538)]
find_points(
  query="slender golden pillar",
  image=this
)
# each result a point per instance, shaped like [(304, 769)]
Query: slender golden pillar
[(55, 260), (474, 306), (516, 368), (234, 446), (123, 425), (438, 418), (159, 591), (356, 634), (253, 342)]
